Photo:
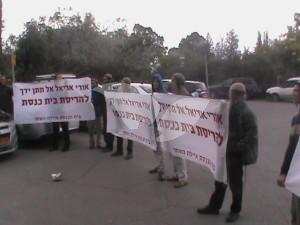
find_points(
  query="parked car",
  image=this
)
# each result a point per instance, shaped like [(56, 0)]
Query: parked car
[(221, 90), (8, 134), (28, 132), (195, 88), (141, 88), (284, 92)]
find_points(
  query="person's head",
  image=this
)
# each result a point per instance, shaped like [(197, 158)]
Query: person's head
[(157, 83), (94, 83), (107, 78), (177, 83), (296, 93), (237, 92), (2, 80)]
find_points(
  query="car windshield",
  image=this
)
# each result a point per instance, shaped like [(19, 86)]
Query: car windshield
[(194, 86), (146, 88)]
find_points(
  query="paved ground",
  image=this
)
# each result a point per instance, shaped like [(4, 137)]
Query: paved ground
[(100, 190)]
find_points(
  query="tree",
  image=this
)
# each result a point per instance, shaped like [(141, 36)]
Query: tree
[(231, 45)]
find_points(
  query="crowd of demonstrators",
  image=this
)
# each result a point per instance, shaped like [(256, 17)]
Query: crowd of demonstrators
[(290, 151), (157, 87), (95, 126), (242, 140), (124, 87), (6, 93)]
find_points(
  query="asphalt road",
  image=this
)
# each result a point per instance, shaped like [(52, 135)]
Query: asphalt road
[(100, 190)]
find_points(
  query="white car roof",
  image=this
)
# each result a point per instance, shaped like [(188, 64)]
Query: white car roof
[(294, 79)]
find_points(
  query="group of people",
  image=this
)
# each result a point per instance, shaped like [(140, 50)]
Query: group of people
[(242, 139), (242, 135)]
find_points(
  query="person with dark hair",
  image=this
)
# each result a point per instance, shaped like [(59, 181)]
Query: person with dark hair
[(94, 126), (157, 87), (6, 93), (180, 168), (125, 87), (242, 138), (290, 151), (108, 137)]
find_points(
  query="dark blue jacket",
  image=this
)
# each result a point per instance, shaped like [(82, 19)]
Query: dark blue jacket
[(158, 77)]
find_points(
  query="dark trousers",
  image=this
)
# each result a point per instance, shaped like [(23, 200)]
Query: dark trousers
[(235, 179), (120, 146), (65, 134), (108, 137)]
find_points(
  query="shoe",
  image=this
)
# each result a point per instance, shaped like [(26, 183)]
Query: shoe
[(172, 179), (65, 148), (128, 156), (52, 149), (91, 147), (161, 176), (232, 217), (99, 147), (105, 150), (180, 184), (155, 170), (207, 211), (116, 154)]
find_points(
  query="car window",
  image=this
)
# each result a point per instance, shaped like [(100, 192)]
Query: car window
[(289, 84)]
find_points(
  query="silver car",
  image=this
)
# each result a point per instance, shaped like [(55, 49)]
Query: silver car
[(8, 134), (283, 92)]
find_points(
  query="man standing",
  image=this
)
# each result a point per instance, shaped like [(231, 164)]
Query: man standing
[(293, 141), (94, 126), (241, 147), (65, 132), (124, 88), (6, 93), (108, 137)]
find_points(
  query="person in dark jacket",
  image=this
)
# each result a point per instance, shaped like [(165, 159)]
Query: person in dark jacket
[(242, 136), (6, 93), (94, 126), (157, 86), (108, 137), (65, 132), (293, 141)]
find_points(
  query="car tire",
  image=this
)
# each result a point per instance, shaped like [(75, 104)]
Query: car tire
[(275, 98)]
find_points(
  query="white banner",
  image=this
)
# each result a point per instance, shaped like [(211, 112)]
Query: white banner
[(292, 182), (53, 101), (195, 129), (130, 116)]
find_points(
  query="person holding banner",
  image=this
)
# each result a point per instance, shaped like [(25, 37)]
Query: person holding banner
[(125, 87), (157, 86), (94, 126), (241, 150), (290, 151), (108, 137), (180, 168), (65, 132)]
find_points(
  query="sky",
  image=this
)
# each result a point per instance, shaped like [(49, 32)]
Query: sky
[(171, 19)]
